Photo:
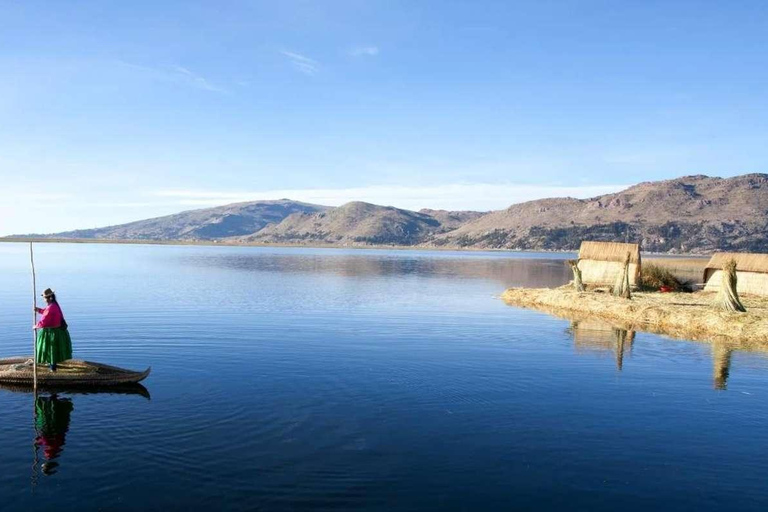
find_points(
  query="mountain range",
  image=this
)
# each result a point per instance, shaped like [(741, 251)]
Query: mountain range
[(683, 215)]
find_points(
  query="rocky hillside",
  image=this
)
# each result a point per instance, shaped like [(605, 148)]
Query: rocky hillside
[(688, 214), (356, 223), (692, 213), (207, 224), (450, 220)]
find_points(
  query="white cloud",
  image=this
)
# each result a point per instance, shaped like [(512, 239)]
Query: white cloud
[(177, 74), (197, 81), (364, 51), (458, 196), (302, 63)]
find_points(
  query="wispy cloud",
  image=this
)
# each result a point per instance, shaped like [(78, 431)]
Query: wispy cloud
[(456, 196), (302, 63), (364, 51), (177, 74), (197, 81)]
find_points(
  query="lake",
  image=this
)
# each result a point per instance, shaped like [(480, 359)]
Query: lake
[(305, 379)]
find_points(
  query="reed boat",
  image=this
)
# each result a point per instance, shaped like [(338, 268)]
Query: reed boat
[(73, 372)]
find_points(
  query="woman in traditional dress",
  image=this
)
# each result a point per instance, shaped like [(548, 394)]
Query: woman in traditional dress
[(53, 342)]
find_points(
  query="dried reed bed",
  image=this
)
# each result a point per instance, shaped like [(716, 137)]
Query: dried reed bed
[(682, 315)]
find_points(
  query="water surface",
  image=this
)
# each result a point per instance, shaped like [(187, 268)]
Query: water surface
[(307, 379)]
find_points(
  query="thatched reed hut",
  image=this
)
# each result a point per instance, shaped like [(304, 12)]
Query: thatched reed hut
[(751, 272), (602, 262)]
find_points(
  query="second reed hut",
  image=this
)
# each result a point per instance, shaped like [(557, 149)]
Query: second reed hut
[(751, 272), (601, 263)]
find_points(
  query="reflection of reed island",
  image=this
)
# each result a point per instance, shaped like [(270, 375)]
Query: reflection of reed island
[(51, 425), (591, 335), (721, 365)]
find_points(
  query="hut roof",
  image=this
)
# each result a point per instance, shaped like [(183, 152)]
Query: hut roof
[(745, 261), (609, 251)]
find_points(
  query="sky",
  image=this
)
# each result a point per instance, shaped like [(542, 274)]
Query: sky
[(113, 111)]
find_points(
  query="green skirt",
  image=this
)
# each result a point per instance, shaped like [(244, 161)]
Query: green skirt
[(53, 345)]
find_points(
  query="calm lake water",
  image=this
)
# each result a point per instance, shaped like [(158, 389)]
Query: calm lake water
[(302, 379)]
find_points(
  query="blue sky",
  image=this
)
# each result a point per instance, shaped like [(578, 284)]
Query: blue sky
[(112, 111)]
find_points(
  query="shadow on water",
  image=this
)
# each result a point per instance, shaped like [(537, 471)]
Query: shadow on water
[(591, 335)]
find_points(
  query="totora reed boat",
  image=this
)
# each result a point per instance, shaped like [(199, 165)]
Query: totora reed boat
[(73, 372)]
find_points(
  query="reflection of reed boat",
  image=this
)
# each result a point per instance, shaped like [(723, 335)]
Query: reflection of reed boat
[(116, 389), (73, 372)]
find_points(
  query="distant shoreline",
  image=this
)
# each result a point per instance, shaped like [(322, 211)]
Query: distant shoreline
[(213, 243)]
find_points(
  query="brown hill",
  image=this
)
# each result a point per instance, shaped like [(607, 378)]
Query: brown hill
[(692, 213), (450, 220), (688, 214), (205, 224), (356, 222)]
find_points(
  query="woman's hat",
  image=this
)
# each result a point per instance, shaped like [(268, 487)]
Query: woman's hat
[(48, 293)]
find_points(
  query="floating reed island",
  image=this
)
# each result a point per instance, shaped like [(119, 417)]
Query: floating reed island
[(651, 299)]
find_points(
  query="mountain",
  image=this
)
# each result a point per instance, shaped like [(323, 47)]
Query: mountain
[(692, 213), (688, 214), (207, 224), (450, 220), (355, 222)]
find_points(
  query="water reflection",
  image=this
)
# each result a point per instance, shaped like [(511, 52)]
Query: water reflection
[(535, 271), (590, 335), (721, 364), (52, 416), (596, 335)]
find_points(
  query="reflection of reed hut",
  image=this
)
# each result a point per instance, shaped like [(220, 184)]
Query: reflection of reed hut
[(751, 272), (597, 335), (601, 263)]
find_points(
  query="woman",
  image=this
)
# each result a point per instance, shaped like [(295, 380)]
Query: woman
[(53, 342)]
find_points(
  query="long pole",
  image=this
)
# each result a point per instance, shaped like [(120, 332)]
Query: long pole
[(34, 317)]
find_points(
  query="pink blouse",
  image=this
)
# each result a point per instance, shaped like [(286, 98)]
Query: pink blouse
[(51, 316)]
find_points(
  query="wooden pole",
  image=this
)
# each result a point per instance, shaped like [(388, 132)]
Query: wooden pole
[(34, 318)]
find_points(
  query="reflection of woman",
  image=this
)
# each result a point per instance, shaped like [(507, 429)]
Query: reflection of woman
[(51, 424), (53, 342)]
